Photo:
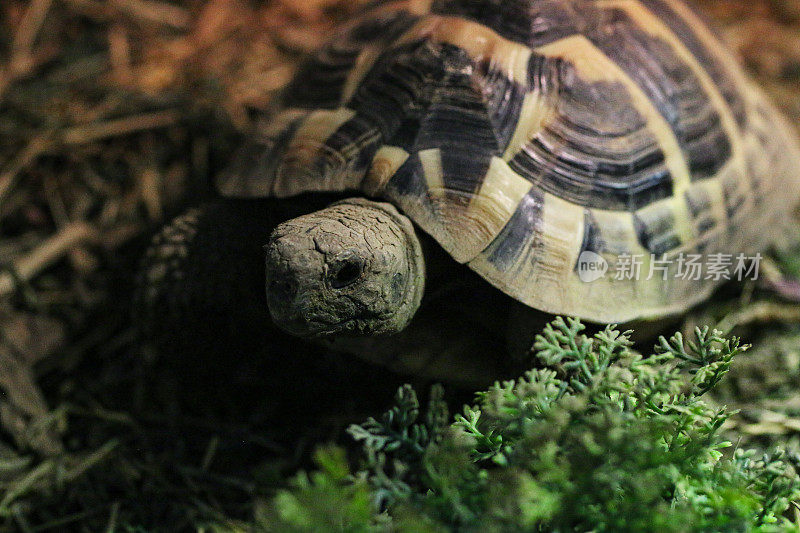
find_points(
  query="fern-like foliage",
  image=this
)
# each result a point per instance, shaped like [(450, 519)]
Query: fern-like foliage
[(596, 438), (395, 445)]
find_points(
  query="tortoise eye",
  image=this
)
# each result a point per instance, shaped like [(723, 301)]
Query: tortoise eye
[(346, 272)]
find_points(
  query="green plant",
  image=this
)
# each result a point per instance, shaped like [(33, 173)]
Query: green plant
[(597, 438)]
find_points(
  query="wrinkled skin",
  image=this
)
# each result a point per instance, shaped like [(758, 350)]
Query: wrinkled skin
[(353, 269)]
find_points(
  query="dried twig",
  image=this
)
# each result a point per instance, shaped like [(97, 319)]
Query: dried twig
[(29, 28), (38, 146), (116, 128), (26, 339), (119, 48), (158, 12), (22, 57), (27, 267)]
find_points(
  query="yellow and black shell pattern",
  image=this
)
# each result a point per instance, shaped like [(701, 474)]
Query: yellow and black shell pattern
[(521, 134)]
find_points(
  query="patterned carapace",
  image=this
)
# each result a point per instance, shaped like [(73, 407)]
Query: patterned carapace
[(521, 133)]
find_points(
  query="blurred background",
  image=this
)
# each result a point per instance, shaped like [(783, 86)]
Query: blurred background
[(114, 116)]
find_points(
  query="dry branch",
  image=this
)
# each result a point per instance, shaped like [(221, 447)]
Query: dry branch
[(26, 339), (158, 12), (29, 28), (117, 128), (50, 251), (36, 147)]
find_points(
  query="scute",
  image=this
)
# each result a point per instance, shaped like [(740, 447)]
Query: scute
[(523, 134)]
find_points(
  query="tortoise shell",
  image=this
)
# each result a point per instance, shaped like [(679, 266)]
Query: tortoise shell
[(521, 134)]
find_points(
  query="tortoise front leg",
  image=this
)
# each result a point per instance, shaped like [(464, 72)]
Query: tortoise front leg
[(201, 282)]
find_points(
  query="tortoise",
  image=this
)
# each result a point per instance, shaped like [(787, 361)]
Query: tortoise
[(475, 151)]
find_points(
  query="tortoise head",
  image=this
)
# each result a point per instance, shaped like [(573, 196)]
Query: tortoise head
[(353, 269)]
